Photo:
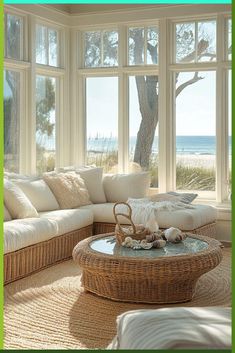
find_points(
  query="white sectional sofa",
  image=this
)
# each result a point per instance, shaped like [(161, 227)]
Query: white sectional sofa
[(33, 243)]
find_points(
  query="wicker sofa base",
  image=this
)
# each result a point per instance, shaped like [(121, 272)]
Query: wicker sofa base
[(23, 262), (208, 230)]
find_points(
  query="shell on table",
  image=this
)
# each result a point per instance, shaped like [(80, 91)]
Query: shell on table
[(174, 235)]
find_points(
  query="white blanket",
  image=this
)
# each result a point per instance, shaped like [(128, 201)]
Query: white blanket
[(145, 209)]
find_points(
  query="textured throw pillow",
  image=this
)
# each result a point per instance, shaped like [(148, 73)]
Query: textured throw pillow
[(119, 187), (39, 194), (7, 216), (69, 189), (17, 202), (93, 177)]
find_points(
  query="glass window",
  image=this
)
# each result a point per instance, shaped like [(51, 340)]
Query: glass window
[(143, 125), (143, 45), (46, 46), (45, 123), (195, 131), (229, 40), (11, 120), (101, 48), (13, 37), (196, 41), (102, 122)]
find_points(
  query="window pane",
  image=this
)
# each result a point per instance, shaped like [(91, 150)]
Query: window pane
[(102, 122), (52, 35), (13, 37), (185, 42), (229, 39), (152, 45), (136, 46), (110, 45), (45, 123), (11, 120), (92, 49), (143, 125), (206, 50), (195, 131), (41, 45)]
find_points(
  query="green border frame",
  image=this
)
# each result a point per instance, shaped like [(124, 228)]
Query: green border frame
[(2, 135)]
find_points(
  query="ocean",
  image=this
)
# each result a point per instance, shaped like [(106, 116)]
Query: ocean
[(196, 145)]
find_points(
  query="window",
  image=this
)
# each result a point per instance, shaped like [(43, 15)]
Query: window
[(13, 37), (101, 48), (143, 45), (143, 125), (46, 46), (229, 38), (45, 123), (195, 131), (195, 41), (11, 120), (102, 122)]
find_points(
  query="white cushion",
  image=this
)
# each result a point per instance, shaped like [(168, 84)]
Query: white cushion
[(10, 175), (17, 202), (185, 219), (69, 220), (174, 328), (93, 178), (7, 216), (40, 195), (25, 232), (119, 187)]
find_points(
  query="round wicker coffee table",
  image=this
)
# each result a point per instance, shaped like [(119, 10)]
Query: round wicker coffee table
[(166, 275)]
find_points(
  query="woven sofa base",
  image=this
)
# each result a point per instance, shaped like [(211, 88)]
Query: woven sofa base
[(23, 262), (208, 230)]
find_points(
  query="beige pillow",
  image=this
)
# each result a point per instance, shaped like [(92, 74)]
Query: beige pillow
[(119, 187), (39, 193), (69, 189), (17, 202), (7, 216)]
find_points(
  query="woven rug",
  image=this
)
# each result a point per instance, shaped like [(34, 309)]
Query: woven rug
[(49, 310)]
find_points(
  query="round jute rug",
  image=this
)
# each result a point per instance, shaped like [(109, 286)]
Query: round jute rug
[(50, 310)]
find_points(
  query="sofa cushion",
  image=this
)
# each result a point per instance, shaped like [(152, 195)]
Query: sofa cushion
[(25, 232), (69, 220), (68, 188), (174, 328), (93, 178), (185, 219), (119, 187), (39, 193), (17, 202), (7, 216)]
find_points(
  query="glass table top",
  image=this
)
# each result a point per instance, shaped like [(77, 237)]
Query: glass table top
[(107, 245)]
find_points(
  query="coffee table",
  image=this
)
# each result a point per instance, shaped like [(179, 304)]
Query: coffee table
[(167, 275)]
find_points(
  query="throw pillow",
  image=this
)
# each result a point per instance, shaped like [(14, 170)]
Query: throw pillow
[(119, 187), (7, 216), (69, 189), (17, 202), (185, 197), (39, 194)]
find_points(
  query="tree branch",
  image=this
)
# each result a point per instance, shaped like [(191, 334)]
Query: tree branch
[(195, 79)]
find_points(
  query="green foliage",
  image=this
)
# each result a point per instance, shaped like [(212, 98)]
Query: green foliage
[(44, 106), (195, 178)]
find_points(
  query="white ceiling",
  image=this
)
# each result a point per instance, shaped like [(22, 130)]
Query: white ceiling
[(83, 9)]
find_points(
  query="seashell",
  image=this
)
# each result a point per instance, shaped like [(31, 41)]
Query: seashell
[(159, 243), (145, 245), (150, 238), (152, 224), (157, 235), (173, 235)]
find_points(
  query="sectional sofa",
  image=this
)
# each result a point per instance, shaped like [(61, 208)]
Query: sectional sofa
[(47, 234)]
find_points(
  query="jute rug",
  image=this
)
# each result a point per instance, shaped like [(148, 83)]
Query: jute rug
[(49, 310)]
